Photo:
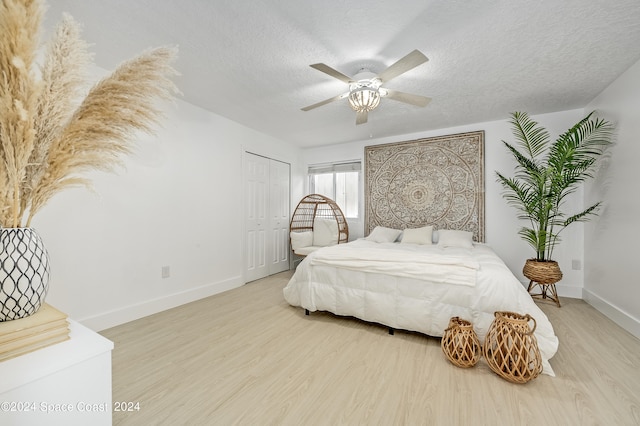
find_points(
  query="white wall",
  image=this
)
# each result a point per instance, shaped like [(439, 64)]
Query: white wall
[(178, 203), (501, 224), (611, 253)]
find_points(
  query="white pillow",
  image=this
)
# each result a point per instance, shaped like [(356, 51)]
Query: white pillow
[(417, 235), (325, 232), (380, 234), (301, 239), (450, 238)]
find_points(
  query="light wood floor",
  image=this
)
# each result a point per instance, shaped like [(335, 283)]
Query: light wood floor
[(247, 357)]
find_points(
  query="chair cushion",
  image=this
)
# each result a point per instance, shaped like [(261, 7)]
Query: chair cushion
[(301, 239), (325, 232), (304, 251)]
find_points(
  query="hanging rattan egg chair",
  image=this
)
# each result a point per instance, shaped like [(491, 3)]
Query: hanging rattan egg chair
[(317, 222)]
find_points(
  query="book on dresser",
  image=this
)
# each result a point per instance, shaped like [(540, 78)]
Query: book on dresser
[(46, 327)]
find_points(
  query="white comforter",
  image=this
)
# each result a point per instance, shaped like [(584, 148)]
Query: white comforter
[(415, 296), (433, 266)]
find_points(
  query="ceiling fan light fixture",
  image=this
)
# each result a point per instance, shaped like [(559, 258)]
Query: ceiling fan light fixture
[(365, 88), (364, 94), (364, 99)]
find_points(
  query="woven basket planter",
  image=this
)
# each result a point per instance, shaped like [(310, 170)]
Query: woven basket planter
[(543, 272), (460, 343), (511, 349)]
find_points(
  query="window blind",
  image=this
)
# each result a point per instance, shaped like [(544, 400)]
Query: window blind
[(350, 166)]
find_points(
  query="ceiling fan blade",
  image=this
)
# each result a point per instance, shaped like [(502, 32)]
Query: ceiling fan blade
[(403, 65), (407, 98), (333, 73), (326, 101), (362, 117)]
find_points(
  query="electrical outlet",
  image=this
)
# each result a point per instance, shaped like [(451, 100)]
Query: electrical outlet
[(576, 265), (166, 272)]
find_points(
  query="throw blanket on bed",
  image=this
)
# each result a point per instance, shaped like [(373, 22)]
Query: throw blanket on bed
[(432, 266)]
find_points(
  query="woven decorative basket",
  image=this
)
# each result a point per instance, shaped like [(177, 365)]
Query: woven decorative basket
[(511, 349), (543, 272), (460, 343)]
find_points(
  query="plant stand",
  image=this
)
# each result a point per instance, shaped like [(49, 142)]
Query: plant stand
[(543, 273), (547, 291)]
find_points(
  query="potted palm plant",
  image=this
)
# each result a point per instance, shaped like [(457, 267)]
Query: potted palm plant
[(546, 173), (52, 130)]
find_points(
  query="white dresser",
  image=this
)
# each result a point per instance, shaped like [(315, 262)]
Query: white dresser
[(68, 383)]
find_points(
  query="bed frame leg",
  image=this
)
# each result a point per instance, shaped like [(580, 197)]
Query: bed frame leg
[(391, 331), (306, 312)]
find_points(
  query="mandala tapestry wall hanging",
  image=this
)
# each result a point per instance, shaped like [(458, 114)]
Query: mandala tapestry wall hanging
[(435, 181)]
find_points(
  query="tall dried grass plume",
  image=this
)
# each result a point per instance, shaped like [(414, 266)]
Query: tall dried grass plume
[(51, 129)]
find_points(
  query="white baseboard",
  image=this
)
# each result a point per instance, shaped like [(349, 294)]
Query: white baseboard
[(139, 310), (615, 314), (573, 292)]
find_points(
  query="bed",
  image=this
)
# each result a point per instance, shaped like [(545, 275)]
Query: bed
[(415, 285)]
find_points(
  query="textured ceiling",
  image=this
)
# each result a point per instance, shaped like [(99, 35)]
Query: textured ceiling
[(249, 60)]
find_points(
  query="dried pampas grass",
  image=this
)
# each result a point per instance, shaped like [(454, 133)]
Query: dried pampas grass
[(48, 137)]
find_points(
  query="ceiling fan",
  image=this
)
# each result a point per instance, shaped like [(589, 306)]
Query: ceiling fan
[(365, 88)]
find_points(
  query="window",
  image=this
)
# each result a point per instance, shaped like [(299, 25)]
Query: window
[(340, 182)]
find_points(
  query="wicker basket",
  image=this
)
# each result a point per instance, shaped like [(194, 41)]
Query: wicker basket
[(543, 272), (460, 343), (511, 349)]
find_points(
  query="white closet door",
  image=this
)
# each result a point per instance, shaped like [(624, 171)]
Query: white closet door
[(267, 185), (256, 216), (279, 217)]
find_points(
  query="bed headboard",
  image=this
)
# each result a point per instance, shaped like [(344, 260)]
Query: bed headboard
[(435, 181)]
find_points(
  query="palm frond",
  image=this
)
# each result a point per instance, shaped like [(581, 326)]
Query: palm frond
[(526, 167), (583, 215), (582, 143), (536, 239), (517, 193), (532, 137)]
